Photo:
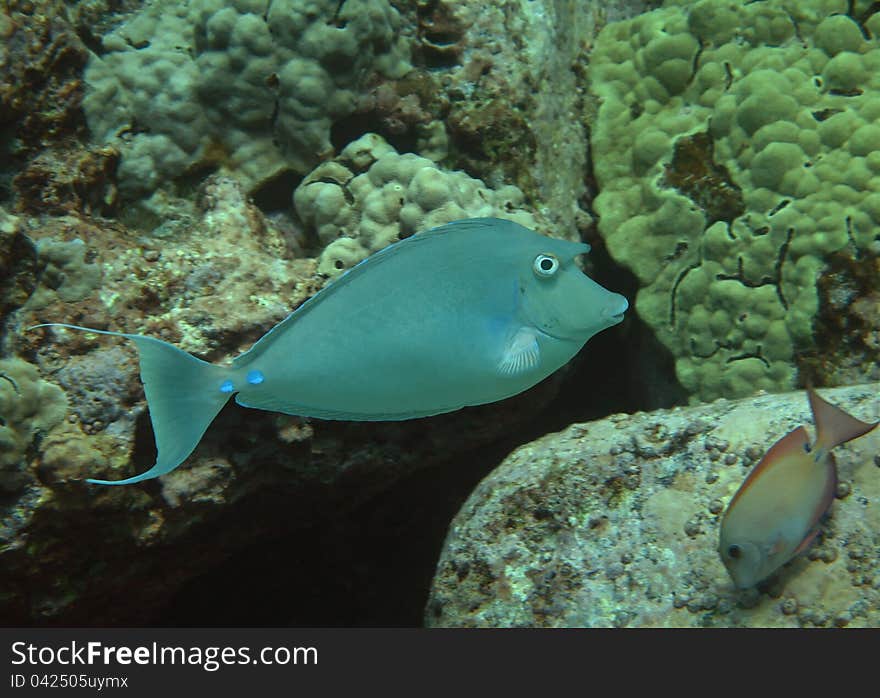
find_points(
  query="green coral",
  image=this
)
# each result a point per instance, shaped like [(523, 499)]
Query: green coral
[(736, 147), (248, 85), (371, 195), (29, 407), (66, 273)]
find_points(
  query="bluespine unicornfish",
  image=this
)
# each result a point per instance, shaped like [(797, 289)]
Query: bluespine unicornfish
[(776, 512), (464, 314)]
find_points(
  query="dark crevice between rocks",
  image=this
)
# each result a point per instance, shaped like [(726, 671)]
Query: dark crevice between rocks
[(19, 274), (90, 41), (187, 184), (861, 18), (352, 127), (277, 194), (649, 364), (6, 176), (591, 185)]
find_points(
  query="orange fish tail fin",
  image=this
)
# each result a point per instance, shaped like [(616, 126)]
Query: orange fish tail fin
[(833, 425)]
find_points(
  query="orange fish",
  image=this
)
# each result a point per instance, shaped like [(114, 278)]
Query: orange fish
[(776, 511)]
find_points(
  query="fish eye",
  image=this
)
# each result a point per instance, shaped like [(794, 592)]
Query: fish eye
[(545, 265), (734, 551)]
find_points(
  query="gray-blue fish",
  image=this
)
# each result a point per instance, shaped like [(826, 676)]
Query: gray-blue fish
[(463, 314)]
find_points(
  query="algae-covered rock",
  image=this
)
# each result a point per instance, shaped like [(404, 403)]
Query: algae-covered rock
[(66, 273), (615, 523)]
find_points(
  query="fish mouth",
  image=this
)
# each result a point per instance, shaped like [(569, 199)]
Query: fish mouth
[(615, 310)]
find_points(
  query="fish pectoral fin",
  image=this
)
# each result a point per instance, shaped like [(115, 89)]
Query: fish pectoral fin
[(521, 352)]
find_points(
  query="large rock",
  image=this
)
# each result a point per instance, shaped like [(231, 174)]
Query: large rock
[(615, 523)]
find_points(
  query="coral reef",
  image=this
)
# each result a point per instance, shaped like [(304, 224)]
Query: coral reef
[(371, 196), (18, 266), (30, 406), (173, 92), (249, 86), (290, 96), (615, 523), (44, 162), (737, 150), (75, 178), (517, 104), (41, 62), (65, 273), (847, 326)]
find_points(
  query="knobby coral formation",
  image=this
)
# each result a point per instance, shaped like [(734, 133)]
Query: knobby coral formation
[(29, 406), (737, 148), (248, 85), (371, 196)]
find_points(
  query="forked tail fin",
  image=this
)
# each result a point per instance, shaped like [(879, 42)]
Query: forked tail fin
[(833, 425), (184, 394)]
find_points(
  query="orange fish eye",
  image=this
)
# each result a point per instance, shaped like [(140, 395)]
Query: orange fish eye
[(734, 551)]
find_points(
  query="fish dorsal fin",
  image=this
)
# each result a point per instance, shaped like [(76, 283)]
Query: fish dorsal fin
[(833, 425), (521, 352), (794, 442), (370, 263)]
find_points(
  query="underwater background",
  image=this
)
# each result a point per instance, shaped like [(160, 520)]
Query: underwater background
[(194, 171)]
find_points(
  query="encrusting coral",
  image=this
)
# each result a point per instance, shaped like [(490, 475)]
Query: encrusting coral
[(250, 86), (371, 195), (737, 149)]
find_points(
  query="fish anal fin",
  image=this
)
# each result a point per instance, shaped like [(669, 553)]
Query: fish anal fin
[(833, 425), (521, 352)]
